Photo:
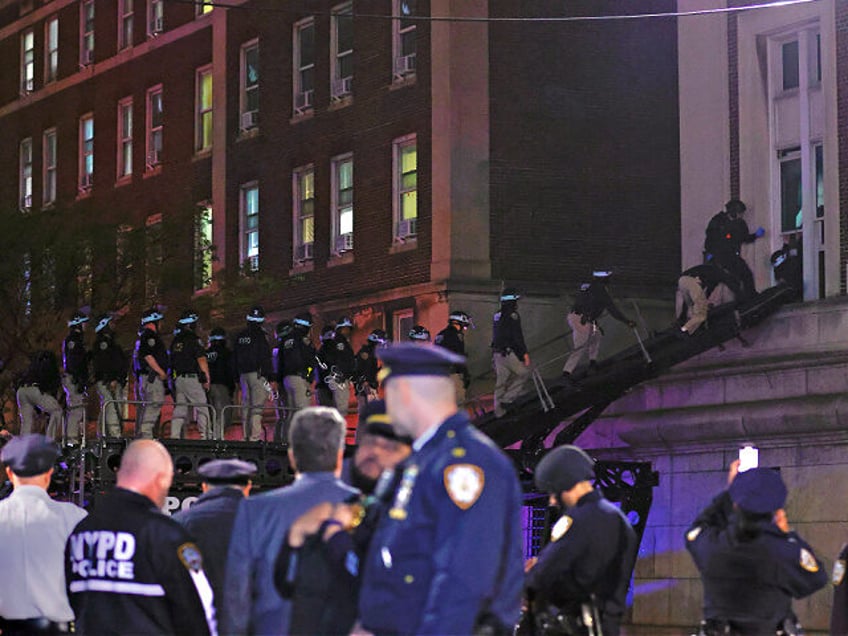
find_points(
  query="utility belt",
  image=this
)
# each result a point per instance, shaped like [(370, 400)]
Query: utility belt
[(35, 625), (505, 351), (187, 375), (789, 626), (578, 619)]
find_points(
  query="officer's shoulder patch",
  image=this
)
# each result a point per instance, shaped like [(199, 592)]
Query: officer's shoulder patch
[(562, 526), (514, 315), (838, 573), (464, 484), (190, 557), (808, 561), (340, 346), (151, 342)]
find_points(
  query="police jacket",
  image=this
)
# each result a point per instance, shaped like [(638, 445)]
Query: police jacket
[(710, 276), (343, 358), (592, 300), (108, 360), (43, 371), (592, 552), (74, 357), (839, 613), (220, 360), (507, 334), (449, 549), (186, 348), (131, 569), (209, 521), (750, 583), (297, 356), (453, 339), (252, 352), (367, 368), (149, 343), (725, 235), (326, 356)]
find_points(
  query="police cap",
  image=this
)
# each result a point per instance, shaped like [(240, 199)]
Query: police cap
[(601, 274), (758, 490), (188, 317), (102, 321), (30, 455), (151, 315), (256, 314), (419, 333), (344, 321), (379, 423), (562, 468), (303, 320), (461, 317), (378, 336), (77, 319), (408, 358), (217, 334), (510, 293), (227, 471)]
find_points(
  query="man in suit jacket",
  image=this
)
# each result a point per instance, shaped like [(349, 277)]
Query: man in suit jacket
[(251, 604)]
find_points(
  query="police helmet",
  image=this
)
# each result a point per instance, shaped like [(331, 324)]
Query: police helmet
[(283, 328), (602, 274), (328, 333), (151, 315), (256, 314), (562, 468), (102, 321), (188, 317), (735, 207), (344, 321), (460, 317), (420, 333), (217, 334), (303, 320), (510, 293), (77, 319), (378, 336)]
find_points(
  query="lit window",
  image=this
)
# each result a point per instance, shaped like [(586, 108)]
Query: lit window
[(790, 190), (86, 153), (250, 226), (25, 187), (87, 32), (51, 49), (27, 61), (406, 187), (203, 248), (304, 65), (250, 85), (125, 137), (154, 127), (155, 17), (304, 213), (342, 204), (125, 24), (204, 7), (203, 140), (403, 38), (342, 52), (48, 194)]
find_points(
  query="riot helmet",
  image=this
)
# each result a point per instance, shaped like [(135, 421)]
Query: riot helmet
[(77, 319), (419, 333)]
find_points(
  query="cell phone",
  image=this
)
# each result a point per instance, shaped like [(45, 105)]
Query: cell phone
[(749, 457)]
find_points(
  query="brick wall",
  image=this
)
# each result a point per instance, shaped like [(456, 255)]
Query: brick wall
[(841, 10)]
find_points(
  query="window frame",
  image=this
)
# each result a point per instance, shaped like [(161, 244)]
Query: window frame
[(155, 18), (398, 190), (403, 65), (201, 114), (338, 208), (298, 215), (152, 154), (125, 140), (126, 24), (51, 50), (305, 97), (340, 86), (85, 178), (252, 263), (248, 117), (27, 67), (87, 41), (25, 179), (48, 168)]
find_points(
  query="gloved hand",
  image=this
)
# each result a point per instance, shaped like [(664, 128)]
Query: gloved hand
[(759, 232)]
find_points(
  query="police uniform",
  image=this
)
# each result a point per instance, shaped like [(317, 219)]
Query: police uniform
[(297, 363), (189, 381), (343, 369), (33, 531), (508, 351), (447, 554), (325, 359), (109, 367), (221, 379), (254, 367), (839, 613), (752, 571), (726, 233), (452, 338), (367, 368), (75, 377), (130, 568), (37, 389), (152, 387), (695, 289)]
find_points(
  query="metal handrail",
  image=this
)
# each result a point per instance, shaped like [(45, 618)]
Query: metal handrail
[(101, 429), (277, 408)]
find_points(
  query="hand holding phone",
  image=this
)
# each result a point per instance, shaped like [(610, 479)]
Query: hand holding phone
[(749, 457)]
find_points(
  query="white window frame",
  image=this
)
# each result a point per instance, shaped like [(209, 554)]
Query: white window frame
[(399, 330), (203, 113), (403, 231), (340, 86), (303, 100), (86, 37), (49, 147), (247, 259), (403, 65), (25, 174), (155, 17), (126, 26), (203, 248), (301, 250), (125, 139), (341, 245), (249, 117), (86, 154), (27, 61), (154, 137), (51, 49)]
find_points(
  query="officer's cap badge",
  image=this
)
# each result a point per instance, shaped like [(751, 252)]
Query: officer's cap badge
[(693, 533), (562, 526), (838, 572), (190, 557), (808, 561), (464, 484)]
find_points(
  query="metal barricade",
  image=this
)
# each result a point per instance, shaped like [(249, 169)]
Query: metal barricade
[(277, 408), (101, 428)]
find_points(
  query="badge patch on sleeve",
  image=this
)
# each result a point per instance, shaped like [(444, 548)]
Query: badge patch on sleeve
[(562, 526), (808, 561), (464, 483), (838, 573), (693, 534), (190, 557)]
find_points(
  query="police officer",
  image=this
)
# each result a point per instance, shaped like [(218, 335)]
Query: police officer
[(75, 376), (452, 338), (752, 564), (150, 361), (510, 357), (191, 377), (222, 375), (281, 332), (256, 373), (839, 612), (726, 232), (419, 333), (344, 365), (586, 567), (325, 360), (591, 301), (38, 388), (367, 368), (209, 520), (33, 531), (695, 289), (297, 365), (131, 568), (109, 366)]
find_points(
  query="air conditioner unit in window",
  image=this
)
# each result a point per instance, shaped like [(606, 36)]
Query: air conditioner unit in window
[(407, 228), (249, 119), (404, 65), (28, 86), (86, 181), (303, 252), (157, 26), (88, 57), (154, 158), (26, 202), (342, 87), (344, 243), (302, 101)]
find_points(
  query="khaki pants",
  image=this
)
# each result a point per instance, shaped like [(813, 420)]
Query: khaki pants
[(511, 378), (219, 396), (253, 398), (587, 342), (341, 396), (29, 397), (691, 295), (298, 396), (112, 414), (75, 406), (459, 385), (189, 391), (152, 393)]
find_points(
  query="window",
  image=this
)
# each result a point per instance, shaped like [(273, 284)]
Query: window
[(27, 61), (203, 110), (51, 49), (250, 226), (25, 186), (304, 213), (48, 177), (304, 65), (342, 204), (204, 7), (791, 71), (87, 32), (250, 85), (342, 52), (125, 137), (155, 17), (86, 153), (402, 323), (125, 24), (405, 163), (790, 190), (203, 249), (403, 38), (154, 127)]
